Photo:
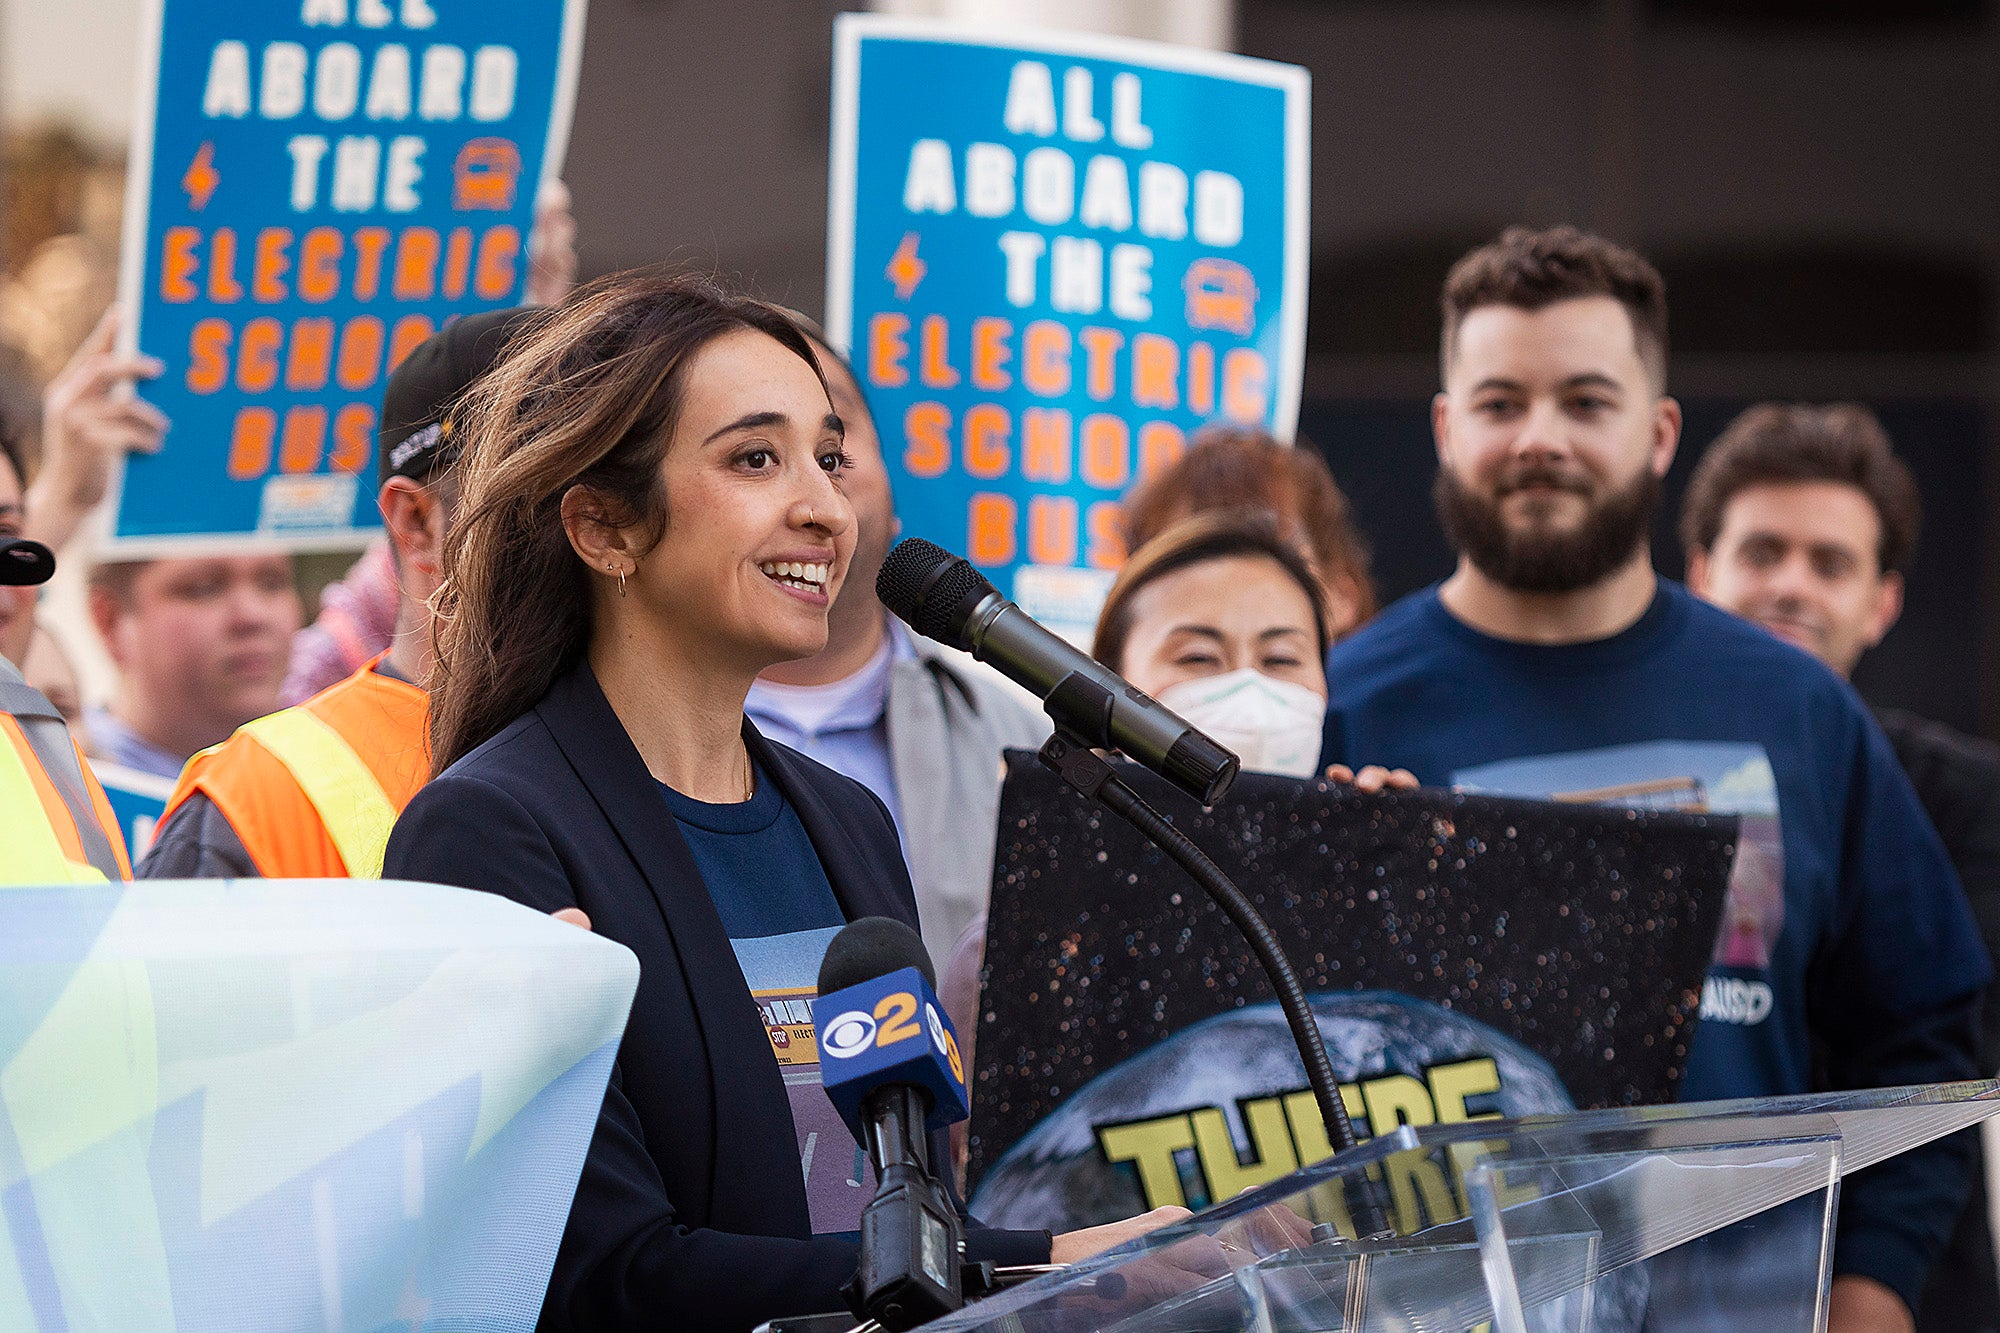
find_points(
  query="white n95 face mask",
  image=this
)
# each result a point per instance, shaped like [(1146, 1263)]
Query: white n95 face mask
[(1272, 725)]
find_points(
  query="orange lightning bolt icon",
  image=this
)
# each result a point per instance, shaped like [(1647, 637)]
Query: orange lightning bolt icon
[(202, 177), (905, 269)]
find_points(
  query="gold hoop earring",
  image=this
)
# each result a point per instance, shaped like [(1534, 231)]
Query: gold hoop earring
[(613, 569)]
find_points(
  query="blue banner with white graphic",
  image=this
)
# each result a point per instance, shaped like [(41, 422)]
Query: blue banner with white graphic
[(293, 1104), (316, 187), (1053, 257)]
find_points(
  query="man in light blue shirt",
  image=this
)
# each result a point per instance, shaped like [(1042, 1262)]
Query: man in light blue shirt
[(843, 723)]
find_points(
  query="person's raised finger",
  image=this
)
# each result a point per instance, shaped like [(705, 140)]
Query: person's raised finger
[(100, 374), (142, 425), (102, 417), (553, 197)]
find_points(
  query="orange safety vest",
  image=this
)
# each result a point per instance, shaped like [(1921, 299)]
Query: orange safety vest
[(50, 823), (313, 791)]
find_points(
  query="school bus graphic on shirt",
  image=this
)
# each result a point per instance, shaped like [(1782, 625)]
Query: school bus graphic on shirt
[(1695, 777), (1686, 794), (781, 972), (787, 1015)]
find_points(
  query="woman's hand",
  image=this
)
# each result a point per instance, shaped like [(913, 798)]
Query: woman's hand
[(1075, 1246), (1191, 1262), (1374, 778), (574, 915), (1274, 1229)]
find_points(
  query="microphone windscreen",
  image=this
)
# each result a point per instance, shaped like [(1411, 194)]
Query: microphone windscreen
[(25, 563), (931, 589), (869, 948)]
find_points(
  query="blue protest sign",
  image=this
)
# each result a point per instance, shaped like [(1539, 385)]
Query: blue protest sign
[(137, 799), (315, 187), (1052, 258)]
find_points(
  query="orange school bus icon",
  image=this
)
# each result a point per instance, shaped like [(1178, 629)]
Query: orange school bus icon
[(485, 175), (1221, 294)]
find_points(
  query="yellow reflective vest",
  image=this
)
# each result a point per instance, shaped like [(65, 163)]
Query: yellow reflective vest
[(56, 827)]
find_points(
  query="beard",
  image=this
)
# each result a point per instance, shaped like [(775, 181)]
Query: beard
[(1539, 560)]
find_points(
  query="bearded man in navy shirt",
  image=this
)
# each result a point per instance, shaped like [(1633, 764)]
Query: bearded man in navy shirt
[(1555, 663)]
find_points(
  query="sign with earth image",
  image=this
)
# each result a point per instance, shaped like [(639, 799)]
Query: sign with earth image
[(1466, 956)]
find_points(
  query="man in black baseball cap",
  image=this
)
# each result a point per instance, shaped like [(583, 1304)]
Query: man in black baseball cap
[(420, 438), (311, 792)]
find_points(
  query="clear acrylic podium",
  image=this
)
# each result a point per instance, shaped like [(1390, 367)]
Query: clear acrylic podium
[(1702, 1216)]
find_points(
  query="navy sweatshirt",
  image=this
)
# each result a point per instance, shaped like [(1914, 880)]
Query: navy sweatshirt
[(1847, 957)]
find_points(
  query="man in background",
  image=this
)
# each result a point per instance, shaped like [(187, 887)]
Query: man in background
[(1555, 662), (201, 645), (894, 712), (357, 612), (1802, 519)]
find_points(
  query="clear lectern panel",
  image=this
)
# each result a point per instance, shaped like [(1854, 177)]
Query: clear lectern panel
[(1715, 1215)]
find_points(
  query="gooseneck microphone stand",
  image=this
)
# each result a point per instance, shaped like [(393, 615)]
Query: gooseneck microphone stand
[(1072, 755)]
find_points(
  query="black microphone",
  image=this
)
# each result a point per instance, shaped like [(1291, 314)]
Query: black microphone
[(890, 1064), (943, 597), (25, 563)]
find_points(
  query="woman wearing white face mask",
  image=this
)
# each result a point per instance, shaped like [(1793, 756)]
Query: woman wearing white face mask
[(1222, 620)]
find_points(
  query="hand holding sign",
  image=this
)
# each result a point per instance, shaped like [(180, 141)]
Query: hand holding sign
[(90, 420)]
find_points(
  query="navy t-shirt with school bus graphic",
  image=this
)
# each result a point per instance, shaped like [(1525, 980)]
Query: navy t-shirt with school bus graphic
[(775, 902), (1846, 937)]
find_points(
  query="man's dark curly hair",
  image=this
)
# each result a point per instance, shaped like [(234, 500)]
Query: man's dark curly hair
[(1776, 444), (1530, 269)]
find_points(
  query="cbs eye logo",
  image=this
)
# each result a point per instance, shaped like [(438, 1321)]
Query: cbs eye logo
[(854, 1031), (849, 1035)]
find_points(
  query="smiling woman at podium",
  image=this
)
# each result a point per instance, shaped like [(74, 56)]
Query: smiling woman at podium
[(653, 514)]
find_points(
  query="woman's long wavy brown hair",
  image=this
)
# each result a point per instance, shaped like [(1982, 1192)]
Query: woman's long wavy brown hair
[(586, 397)]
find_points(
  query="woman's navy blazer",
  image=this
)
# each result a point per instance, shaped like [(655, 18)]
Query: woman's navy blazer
[(691, 1212)]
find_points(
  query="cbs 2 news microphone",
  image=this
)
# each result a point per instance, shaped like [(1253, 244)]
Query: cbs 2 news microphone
[(890, 1064)]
